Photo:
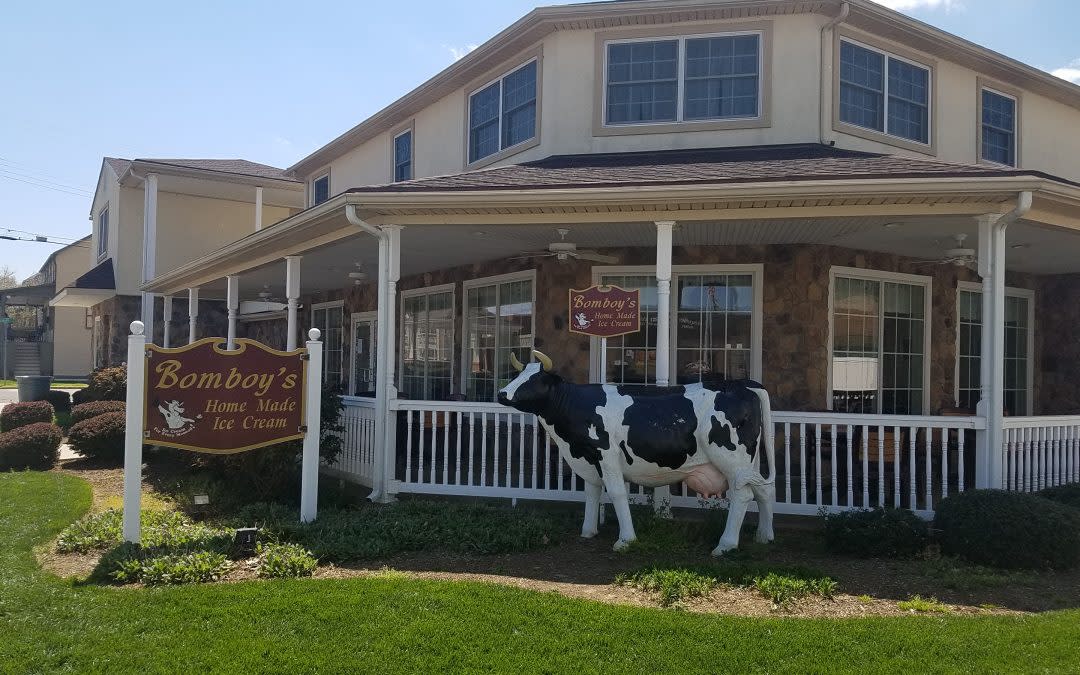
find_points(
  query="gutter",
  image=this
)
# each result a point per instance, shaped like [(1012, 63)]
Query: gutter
[(825, 88)]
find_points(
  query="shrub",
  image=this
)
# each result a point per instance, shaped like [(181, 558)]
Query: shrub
[(893, 533), (15, 415), (85, 411), (106, 384), (100, 437), (157, 570), (1012, 530), (285, 561), (160, 529), (34, 446), (61, 400), (1064, 494), (781, 585)]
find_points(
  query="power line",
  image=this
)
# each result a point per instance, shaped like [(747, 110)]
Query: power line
[(34, 172), (46, 186), (36, 235), (40, 239)]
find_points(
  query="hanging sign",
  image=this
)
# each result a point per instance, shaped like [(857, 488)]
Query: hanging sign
[(204, 398), (605, 311)]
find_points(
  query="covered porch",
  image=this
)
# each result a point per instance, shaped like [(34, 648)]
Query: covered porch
[(851, 299)]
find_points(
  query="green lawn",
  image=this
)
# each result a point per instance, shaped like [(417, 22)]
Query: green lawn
[(11, 384), (396, 624)]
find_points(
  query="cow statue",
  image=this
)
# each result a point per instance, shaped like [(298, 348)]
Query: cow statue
[(608, 434)]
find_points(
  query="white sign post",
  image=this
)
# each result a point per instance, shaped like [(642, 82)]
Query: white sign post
[(133, 431), (309, 477)]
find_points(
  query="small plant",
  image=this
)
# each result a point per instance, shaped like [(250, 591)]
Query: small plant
[(85, 411), (184, 568), (780, 584), (672, 585), (100, 437), (34, 446), (15, 415), (285, 561), (865, 599), (1068, 495), (892, 533), (1011, 530), (784, 589), (917, 603), (160, 529)]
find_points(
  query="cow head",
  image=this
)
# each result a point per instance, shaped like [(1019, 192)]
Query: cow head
[(530, 390)]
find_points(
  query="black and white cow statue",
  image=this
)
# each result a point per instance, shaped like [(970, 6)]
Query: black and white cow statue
[(653, 436)]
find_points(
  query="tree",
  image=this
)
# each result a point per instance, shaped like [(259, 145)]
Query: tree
[(7, 278)]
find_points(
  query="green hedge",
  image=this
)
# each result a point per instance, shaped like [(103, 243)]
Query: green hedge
[(85, 411), (34, 446), (1012, 530), (1068, 495), (106, 384), (15, 415), (100, 437), (891, 533)]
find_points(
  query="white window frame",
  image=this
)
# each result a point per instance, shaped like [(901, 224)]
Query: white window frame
[(354, 319), (417, 292), (103, 233), (311, 187), (509, 149), (926, 145), (680, 84), (755, 270), (526, 275), (412, 153), (1010, 291), (1015, 132), (339, 304), (891, 277)]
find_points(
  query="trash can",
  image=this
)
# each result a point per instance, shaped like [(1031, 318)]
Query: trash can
[(33, 387)]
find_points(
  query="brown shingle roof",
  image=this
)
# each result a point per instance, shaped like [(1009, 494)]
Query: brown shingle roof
[(801, 162), (239, 167)]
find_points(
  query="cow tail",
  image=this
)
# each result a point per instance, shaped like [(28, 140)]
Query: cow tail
[(767, 427)]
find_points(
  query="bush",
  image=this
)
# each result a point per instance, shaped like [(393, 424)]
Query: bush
[(160, 529), (61, 400), (34, 446), (157, 570), (106, 384), (781, 585), (85, 411), (891, 533), (1011, 530), (15, 415), (285, 561), (1068, 495), (100, 437)]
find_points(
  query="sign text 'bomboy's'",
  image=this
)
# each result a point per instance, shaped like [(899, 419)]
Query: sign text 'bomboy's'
[(605, 311), (204, 398)]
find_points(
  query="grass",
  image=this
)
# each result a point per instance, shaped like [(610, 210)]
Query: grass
[(917, 603), (392, 624), (958, 575), (781, 585), (11, 384)]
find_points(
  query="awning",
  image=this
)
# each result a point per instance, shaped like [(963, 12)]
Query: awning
[(97, 285)]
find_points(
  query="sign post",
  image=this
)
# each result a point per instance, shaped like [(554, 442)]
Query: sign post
[(133, 432), (603, 312), (309, 478)]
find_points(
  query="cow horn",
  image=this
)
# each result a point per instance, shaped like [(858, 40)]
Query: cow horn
[(515, 363), (545, 362)]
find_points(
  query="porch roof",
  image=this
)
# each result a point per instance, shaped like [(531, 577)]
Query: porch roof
[(714, 166)]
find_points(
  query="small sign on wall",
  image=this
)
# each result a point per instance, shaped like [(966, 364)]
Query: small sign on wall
[(605, 311)]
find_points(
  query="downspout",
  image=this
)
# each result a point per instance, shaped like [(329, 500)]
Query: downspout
[(826, 89), (379, 491)]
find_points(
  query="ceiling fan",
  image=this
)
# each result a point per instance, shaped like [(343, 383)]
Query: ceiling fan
[(358, 276), (563, 250), (266, 296), (960, 255)]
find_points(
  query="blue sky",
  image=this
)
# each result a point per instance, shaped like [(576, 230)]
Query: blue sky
[(272, 81)]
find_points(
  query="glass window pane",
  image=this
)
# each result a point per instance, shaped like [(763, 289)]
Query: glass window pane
[(998, 128), (642, 82), (909, 101), (403, 157), (862, 86), (484, 122), (519, 106), (721, 77)]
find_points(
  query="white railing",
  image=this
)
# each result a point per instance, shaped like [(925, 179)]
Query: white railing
[(357, 457), (825, 461), (1040, 452)]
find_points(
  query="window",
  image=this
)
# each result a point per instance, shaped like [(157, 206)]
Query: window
[(879, 342), (103, 232), (320, 189), (683, 79), (498, 321), (328, 317), (715, 320), (403, 156), (884, 93), (1019, 342), (427, 344), (503, 113), (998, 128)]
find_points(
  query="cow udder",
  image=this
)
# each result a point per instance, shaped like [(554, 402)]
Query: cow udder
[(707, 481)]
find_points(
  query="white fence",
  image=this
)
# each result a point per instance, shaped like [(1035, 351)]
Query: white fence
[(1040, 452), (824, 460)]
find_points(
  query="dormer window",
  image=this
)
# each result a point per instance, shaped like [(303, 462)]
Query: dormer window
[(103, 232), (502, 114), (882, 92), (320, 189)]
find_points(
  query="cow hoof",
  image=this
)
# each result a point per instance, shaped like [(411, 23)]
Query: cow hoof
[(723, 548), (622, 544), (763, 537), (588, 535)]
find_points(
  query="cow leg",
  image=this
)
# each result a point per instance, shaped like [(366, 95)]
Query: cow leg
[(765, 496), (591, 526), (616, 488), (738, 498)]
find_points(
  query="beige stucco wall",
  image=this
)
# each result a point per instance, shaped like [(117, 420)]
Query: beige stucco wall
[(569, 84), (107, 194), (71, 339)]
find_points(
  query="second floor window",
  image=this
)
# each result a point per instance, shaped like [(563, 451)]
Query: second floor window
[(884, 93), (320, 189), (683, 79), (103, 233), (403, 157), (503, 114), (998, 131)]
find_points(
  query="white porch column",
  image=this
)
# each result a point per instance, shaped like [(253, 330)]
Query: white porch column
[(232, 300), (292, 296), (149, 251), (193, 314), (385, 391), (988, 470), (258, 208), (393, 276), (166, 320), (663, 300)]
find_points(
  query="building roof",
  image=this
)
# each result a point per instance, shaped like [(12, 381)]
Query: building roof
[(238, 167), (41, 277), (747, 164)]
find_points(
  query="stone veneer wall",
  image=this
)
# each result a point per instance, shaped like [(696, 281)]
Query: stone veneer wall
[(1057, 320), (118, 312), (795, 330)]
